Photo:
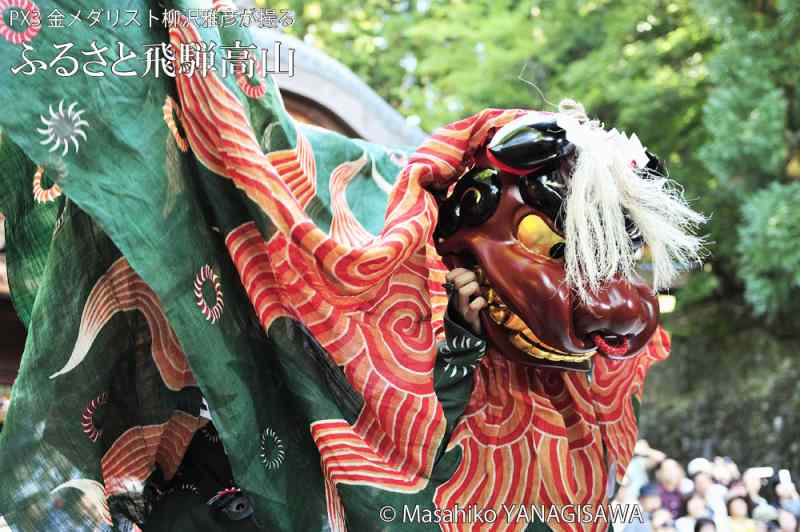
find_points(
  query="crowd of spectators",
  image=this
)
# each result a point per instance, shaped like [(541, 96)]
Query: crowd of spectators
[(708, 495)]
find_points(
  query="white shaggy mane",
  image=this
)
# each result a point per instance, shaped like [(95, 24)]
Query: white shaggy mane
[(607, 181)]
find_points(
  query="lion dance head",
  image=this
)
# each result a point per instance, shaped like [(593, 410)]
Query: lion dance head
[(553, 214)]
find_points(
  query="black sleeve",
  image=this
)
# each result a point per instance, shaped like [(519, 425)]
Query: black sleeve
[(458, 356)]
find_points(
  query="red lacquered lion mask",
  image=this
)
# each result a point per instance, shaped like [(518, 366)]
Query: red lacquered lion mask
[(553, 215)]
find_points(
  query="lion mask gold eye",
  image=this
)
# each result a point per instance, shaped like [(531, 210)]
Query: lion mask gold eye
[(538, 237)]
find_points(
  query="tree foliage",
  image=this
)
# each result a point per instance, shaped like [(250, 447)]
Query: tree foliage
[(769, 251), (709, 85)]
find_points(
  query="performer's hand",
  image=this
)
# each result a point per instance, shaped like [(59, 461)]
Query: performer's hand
[(466, 285)]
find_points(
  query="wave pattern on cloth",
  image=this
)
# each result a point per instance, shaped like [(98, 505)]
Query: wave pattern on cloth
[(121, 289), (134, 455), (554, 426)]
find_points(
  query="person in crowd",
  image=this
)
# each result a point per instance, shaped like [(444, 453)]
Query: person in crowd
[(662, 521), (753, 482), (669, 476), (787, 521), (622, 498), (701, 472), (737, 489), (788, 498), (738, 514), (765, 517), (650, 501), (645, 460), (705, 524), (694, 508), (725, 471)]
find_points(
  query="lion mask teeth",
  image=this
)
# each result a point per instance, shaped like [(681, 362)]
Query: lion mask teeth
[(520, 335)]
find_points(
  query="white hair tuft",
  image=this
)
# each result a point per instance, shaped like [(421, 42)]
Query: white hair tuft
[(607, 182)]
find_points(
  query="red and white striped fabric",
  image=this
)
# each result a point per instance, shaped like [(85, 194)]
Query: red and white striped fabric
[(133, 456), (121, 289)]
